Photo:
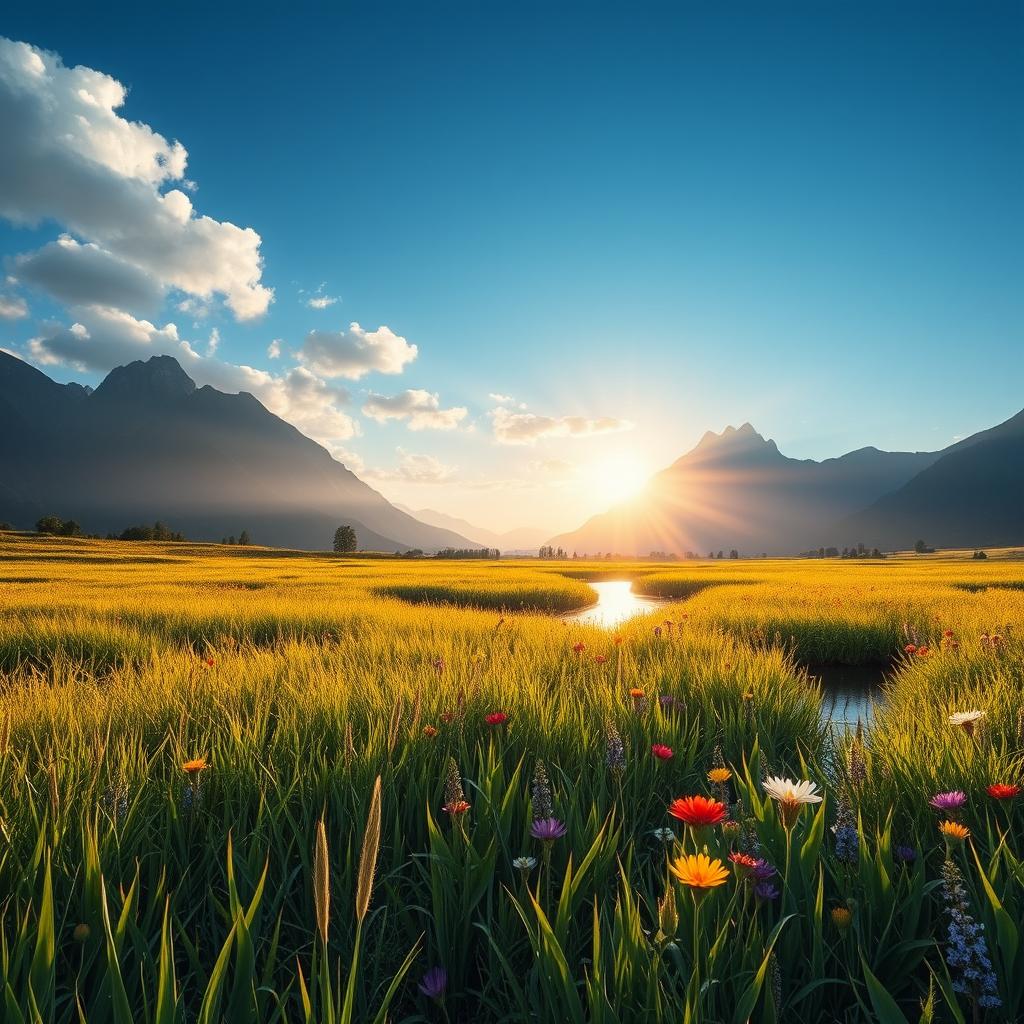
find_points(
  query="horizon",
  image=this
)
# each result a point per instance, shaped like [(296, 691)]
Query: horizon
[(573, 245)]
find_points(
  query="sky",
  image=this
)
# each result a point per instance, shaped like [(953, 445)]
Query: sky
[(506, 260)]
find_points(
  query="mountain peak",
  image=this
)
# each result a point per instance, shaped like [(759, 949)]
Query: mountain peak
[(159, 377), (744, 436)]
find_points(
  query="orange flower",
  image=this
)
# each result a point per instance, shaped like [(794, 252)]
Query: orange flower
[(456, 807), (699, 871), (910, 648), (429, 730), (743, 860), (636, 691), (954, 831), (719, 775), (697, 811), (579, 647), (195, 766)]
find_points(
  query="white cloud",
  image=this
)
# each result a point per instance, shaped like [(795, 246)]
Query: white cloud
[(68, 156), (527, 427), (321, 301), (356, 352), (12, 307), (213, 343), (102, 337), (420, 409), (349, 459), (77, 274), (274, 349), (501, 399), (415, 468)]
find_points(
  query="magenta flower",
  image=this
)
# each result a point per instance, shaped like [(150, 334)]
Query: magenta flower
[(547, 829), (434, 983), (948, 802)]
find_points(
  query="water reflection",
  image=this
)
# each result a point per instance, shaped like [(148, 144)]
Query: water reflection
[(848, 692), (616, 603)]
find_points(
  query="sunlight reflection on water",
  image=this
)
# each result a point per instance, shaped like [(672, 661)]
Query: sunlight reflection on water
[(616, 603)]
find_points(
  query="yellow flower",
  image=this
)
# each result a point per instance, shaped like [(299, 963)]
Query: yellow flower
[(195, 766), (841, 917), (719, 775), (954, 831), (699, 871)]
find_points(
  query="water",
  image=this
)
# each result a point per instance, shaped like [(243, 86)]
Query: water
[(848, 691), (616, 603)]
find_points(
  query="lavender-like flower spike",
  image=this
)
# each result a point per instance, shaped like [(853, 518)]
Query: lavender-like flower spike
[(966, 949), (845, 830), (543, 806), (434, 983), (548, 829), (615, 751)]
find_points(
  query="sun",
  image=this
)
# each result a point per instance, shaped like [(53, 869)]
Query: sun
[(616, 477)]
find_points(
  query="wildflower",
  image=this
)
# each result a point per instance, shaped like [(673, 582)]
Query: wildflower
[(910, 648), (923, 652), (195, 766), (765, 892), (699, 872), (548, 829), (668, 916), (697, 811), (636, 692), (904, 854), (455, 802), (664, 835), (743, 861), (614, 751), (731, 829), (657, 630), (600, 658), (447, 716), (438, 664), (543, 806), (667, 701), (954, 832), (429, 730), (966, 720), (434, 983), (455, 807), (81, 932), (847, 839), (856, 761), (496, 718), (1002, 790), (949, 803), (966, 949), (842, 918), (719, 776), (617, 641), (791, 797), (661, 752), (579, 647), (762, 870), (524, 865)]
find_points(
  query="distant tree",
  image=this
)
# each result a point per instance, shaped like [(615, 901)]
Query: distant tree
[(231, 539), (6, 526), (979, 554), (734, 553), (58, 527), (875, 553), (345, 540), (244, 538), (922, 549), (720, 555)]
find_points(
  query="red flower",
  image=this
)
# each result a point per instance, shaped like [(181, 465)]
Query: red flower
[(910, 648), (661, 752), (947, 632), (579, 647), (496, 718), (447, 716), (1003, 790), (456, 807), (429, 730), (922, 652), (743, 860), (698, 811), (600, 658)]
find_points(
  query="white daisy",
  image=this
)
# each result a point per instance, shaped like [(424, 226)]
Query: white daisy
[(963, 718), (789, 792)]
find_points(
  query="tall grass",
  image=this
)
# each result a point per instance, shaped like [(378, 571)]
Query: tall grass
[(311, 873)]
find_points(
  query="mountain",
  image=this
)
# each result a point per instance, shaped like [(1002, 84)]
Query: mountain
[(973, 496), (148, 444), (521, 539), (737, 490)]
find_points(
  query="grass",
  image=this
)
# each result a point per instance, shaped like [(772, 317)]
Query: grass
[(133, 891)]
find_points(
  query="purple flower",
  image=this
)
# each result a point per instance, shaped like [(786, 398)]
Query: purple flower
[(547, 829), (762, 870), (766, 891), (434, 983), (904, 854), (667, 701), (947, 802)]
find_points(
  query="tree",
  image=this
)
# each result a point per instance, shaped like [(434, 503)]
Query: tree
[(244, 538), (58, 527), (345, 540), (734, 553)]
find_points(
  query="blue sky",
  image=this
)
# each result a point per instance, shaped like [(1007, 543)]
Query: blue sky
[(639, 222)]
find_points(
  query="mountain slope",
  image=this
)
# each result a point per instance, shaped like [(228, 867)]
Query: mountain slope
[(737, 490), (147, 444), (973, 496), (523, 538)]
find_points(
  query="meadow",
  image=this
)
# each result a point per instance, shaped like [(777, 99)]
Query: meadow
[(241, 785)]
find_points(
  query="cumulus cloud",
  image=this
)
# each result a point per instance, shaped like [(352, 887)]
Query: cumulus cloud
[(528, 428), (274, 349), (68, 156), (415, 468), (356, 352), (12, 307), (321, 301), (102, 337), (77, 274), (500, 399), (421, 410), (349, 459)]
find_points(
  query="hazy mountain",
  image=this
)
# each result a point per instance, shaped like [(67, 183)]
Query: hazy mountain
[(973, 496), (737, 490), (524, 538), (148, 444)]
